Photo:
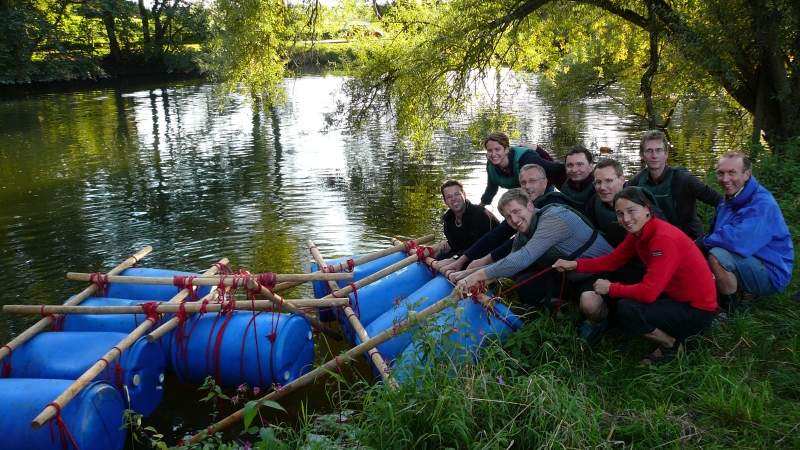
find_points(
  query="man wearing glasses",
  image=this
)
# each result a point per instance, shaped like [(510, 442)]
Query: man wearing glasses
[(676, 190)]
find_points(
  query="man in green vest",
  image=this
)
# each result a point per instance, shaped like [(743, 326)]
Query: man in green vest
[(675, 189), (579, 186)]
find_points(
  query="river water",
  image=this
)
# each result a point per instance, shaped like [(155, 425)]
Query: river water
[(89, 176)]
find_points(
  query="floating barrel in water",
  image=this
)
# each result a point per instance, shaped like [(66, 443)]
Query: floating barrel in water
[(380, 296), (138, 372), (121, 323), (459, 332), (238, 348), (93, 418), (151, 291), (361, 271), (431, 292)]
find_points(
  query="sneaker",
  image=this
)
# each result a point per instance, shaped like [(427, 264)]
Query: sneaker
[(592, 332)]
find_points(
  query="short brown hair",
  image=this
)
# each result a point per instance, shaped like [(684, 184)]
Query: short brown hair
[(510, 195), (610, 162), (450, 183), (577, 149), (654, 135), (499, 137)]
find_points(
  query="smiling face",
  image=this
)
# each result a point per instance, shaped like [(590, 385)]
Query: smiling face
[(518, 215), (655, 154), (631, 215), (731, 175), (497, 154), (455, 199), (533, 182), (578, 167), (607, 183)]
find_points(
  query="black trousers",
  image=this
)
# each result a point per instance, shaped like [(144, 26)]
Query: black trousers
[(677, 319)]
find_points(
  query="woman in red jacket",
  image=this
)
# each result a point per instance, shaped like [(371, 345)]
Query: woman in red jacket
[(677, 297)]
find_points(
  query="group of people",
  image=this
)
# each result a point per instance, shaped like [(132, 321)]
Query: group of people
[(632, 251)]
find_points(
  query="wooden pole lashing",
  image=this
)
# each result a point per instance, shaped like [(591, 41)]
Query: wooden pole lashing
[(374, 355), (90, 374), (45, 322)]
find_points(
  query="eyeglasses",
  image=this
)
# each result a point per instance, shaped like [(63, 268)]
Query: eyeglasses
[(654, 151)]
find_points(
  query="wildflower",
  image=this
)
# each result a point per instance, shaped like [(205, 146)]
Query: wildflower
[(256, 390), (242, 388), (500, 380), (235, 399)]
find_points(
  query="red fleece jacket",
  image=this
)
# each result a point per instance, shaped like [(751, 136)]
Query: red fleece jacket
[(674, 264)]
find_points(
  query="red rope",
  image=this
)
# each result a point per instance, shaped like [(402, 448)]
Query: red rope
[(65, 436), (6, 372), (222, 268), (409, 246), (267, 279), (526, 281), (57, 323), (150, 310), (350, 265), (255, 339), (218, 345), (181, 337), (272, 337), (185, 282), (101, 281), (354, 303)]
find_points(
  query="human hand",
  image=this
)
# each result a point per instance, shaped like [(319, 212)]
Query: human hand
[(562, 265), (480, 262), (601, 286)]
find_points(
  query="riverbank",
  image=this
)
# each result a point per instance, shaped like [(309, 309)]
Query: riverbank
[(734, 387), (307, 58)]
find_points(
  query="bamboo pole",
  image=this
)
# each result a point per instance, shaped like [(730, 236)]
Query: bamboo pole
[(335, 363), (363, 260), (374, 355), (170, 308), (50, 411), (44, 322), (281, 304), (347, 290), (227, 280)]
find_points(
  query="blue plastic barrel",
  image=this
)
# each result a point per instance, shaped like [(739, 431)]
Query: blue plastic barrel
[(380, 296), (236, 348), (121, 323), (150, 291), (93, 417), (459, 332), (361, 271), (67, 355), (432, 291)]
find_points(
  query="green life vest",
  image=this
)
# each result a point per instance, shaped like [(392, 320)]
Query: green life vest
[(661, 191), (578, 198), (552, 254), (508, 181), (606, 220)]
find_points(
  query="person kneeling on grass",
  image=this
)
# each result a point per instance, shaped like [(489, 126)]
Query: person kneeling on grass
[(675, 299)]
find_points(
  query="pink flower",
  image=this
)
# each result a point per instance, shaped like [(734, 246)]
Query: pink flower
[(256, 390)]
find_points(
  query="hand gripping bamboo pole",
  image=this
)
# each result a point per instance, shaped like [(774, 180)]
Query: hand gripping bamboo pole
[(39, 326), (335, 363), (171, 308), (227, 280), (50, 411), (376, 357), (281, 305), (363, 260)]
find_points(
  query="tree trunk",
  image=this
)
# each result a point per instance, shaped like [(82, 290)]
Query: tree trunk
[(143, 14), (646, 85), (108, 21)]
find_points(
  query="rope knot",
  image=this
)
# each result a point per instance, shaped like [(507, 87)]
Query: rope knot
[(409, 246), (350, 265), (64, 434), (185, 282), (150, 310), (101, 281), (268, 280), (272, 336)]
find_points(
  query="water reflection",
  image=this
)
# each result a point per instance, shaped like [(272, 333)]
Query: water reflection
[(88, 177)]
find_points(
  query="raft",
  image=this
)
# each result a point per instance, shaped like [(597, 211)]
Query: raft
[(264, 349)]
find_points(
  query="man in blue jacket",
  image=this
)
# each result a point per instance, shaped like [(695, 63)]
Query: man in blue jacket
[(749, 246)]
